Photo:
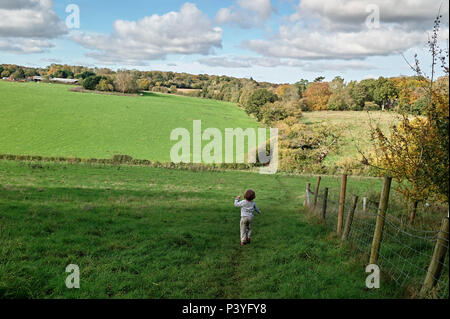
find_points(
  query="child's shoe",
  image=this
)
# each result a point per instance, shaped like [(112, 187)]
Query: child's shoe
[(248, 240), (242, 244)]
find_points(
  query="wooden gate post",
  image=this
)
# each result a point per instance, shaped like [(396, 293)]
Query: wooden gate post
[(377, 236), (324, 204), (341, 204), (349, 221), (307, 202), (316, 195), (437, 261)]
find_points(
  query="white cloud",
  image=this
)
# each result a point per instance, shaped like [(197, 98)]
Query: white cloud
[(352, 14), (224, 62), (52, 60), (248, 62), (30, 19), (238, 62), (336, 29), (298, 43), (338, 66), (19, 4), (188, 31), (26, 25), (247, 14), (24, 46)]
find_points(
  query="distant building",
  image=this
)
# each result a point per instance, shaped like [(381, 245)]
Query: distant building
[(36, 78), (64, 81)]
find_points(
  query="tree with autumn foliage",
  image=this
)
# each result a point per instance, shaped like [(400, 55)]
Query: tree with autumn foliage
[(317, 95), (416, 153), (412, 95)]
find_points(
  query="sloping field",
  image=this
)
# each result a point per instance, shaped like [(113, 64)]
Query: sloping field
[(48, 120), (155, 233), (356, 127)]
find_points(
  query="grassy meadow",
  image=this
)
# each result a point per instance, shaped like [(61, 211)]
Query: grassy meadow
[(355, 126), (49, 120), (146, 232), (157, 233)]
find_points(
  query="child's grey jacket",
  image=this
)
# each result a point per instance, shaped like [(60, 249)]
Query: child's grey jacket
[(247, 208)]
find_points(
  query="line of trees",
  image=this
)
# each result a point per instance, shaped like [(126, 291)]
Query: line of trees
[(274, 105), (400, 93)]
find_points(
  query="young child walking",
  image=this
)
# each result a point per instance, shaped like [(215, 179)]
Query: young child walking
[(248, 206)]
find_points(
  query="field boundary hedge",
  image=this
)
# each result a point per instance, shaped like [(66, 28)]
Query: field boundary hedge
[(128, 160)]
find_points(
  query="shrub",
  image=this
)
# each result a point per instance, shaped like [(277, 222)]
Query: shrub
[(125, 82), (371, 106), (279, 110), (18, 74), (5, 74), (144, 84), (91, 82), (160, 89), (122, 159), (105, 85), (173, 89), (257, 100), (65, 74), (85, 75)]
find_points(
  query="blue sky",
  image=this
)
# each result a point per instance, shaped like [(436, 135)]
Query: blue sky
[(277, 41)]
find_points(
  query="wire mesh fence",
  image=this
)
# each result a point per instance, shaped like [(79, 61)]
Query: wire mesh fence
[(412, 257)]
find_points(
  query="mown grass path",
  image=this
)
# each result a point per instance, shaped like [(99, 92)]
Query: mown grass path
[(143, 232)]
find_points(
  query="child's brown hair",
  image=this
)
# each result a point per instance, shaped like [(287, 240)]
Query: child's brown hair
[(250, 195)]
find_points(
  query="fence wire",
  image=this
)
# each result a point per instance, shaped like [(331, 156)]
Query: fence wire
[(406, 251)]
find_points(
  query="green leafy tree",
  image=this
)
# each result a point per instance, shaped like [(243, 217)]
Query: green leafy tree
[(340, 98), (65, 74), (19, 74), (302, 85), (257, 100), (362, 92), (385, 93), (30, 72), (91, 82), (85, 75), (5, 74)]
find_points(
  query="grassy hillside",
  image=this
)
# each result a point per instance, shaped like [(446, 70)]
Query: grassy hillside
[(48, 120), (156, 233), (355, 128)]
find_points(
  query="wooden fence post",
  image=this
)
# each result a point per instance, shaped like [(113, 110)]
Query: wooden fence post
[(349, 221), (382, 208), (412, 217), (324, 204), (307, 202), (341, 204), (438, 259), (316, 195)]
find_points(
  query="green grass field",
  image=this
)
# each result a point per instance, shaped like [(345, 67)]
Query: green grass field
[(141, 232), (356, 129), (48, 120), (156, 233)]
